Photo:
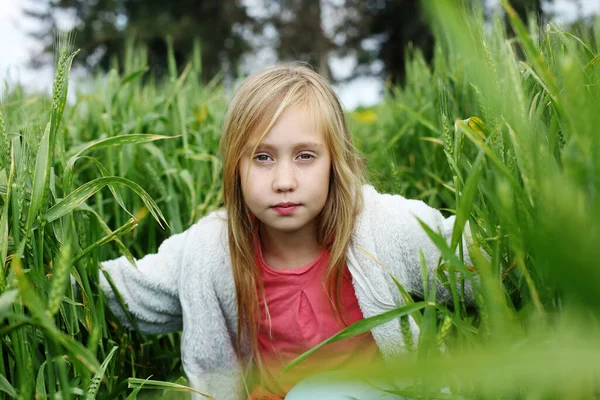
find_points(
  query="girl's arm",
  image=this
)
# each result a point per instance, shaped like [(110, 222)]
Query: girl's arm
[(149, 290)]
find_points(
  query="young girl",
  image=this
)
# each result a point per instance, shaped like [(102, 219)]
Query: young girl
[(295, 256)]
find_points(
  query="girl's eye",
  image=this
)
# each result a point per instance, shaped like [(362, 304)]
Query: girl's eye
[(310, 156), (264, 157)]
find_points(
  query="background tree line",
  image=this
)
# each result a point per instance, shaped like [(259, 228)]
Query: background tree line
[(374, 32)]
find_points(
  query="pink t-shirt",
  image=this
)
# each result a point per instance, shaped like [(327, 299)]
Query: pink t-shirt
[(301, 318)]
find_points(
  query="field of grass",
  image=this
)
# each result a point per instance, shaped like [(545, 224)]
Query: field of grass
[(501, 131)]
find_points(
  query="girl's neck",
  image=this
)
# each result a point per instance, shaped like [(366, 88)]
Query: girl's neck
[(282, 250)]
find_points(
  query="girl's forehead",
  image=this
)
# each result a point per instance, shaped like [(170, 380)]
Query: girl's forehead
[(304, 144), (296, 123), (292, 139)]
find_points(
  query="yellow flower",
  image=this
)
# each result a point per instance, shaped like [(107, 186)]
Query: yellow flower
[(201, 114), (365, 116)]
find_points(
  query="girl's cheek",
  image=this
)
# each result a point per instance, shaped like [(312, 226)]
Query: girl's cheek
[(257, 176)]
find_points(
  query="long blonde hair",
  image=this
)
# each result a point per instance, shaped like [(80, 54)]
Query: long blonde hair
[(255, 107)]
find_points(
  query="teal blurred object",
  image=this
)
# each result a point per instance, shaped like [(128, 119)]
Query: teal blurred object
[(336, 385)]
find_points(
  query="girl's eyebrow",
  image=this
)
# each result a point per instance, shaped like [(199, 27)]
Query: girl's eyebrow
[(309, 145)]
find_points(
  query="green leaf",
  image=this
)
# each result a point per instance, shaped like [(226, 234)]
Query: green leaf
[(82, 193), (17, 321), (593, 61), (108, 231), (6, 387), (40, 178), (447, 253), (126, 228), (94, 384), (417, 317), (534, 55), (133, 138), (421, 119), (121, 140), (40, 382), (136, 391), (122, 303), (132, 76), (4, 222), (493, 157), (3, 243), (466, 200), (566, 34), (148, 384), (113, 190), (78, 353), (359, 327), (407, 298)]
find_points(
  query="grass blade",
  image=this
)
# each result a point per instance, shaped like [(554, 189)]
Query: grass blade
[(82, 193), (94, 385), (359, 327), (40, 180), (149, 384), (6, 387)]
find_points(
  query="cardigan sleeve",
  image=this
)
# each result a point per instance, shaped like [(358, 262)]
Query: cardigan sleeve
[(402, 237), (150, 288), (418, 240)]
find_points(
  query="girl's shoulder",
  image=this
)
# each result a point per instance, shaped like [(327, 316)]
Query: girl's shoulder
[(205, 249), (395, 209), (208, 234), (213, 221)]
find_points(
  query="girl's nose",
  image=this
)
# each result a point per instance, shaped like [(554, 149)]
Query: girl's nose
[(285, 177)]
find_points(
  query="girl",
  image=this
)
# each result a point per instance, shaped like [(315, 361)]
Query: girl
[(293, 258)]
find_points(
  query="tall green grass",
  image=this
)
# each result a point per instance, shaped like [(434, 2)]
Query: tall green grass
[(508, 143), (520, 141), (75, 177)]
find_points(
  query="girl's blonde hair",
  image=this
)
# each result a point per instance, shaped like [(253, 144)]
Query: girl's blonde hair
[(255, 107)]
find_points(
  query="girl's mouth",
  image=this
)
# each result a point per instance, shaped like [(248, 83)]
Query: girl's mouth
[(286, 210)]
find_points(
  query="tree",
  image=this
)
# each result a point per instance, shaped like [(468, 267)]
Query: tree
[(101, 27), (299, 32), (525, 7), (371, 30), (374, 32), (398, 23)]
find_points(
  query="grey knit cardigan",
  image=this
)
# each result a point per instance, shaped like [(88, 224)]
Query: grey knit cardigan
[(189, 284)]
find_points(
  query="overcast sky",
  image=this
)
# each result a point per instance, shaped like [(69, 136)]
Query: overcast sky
[(15, 47)]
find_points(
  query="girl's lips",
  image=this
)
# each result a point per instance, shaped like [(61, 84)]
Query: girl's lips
[(286, 210)]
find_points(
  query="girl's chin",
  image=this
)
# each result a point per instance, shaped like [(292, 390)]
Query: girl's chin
[(284, 224)]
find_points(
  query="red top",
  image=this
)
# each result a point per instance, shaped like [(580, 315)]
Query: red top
[(301, 318)]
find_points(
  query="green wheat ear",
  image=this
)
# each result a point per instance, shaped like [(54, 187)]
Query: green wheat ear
[(444, 329), (60, 278), (60, 85), (4, 144), (407, 334), (64, 43)]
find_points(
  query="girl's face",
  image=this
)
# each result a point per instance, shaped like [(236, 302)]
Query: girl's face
[(291, 165)]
